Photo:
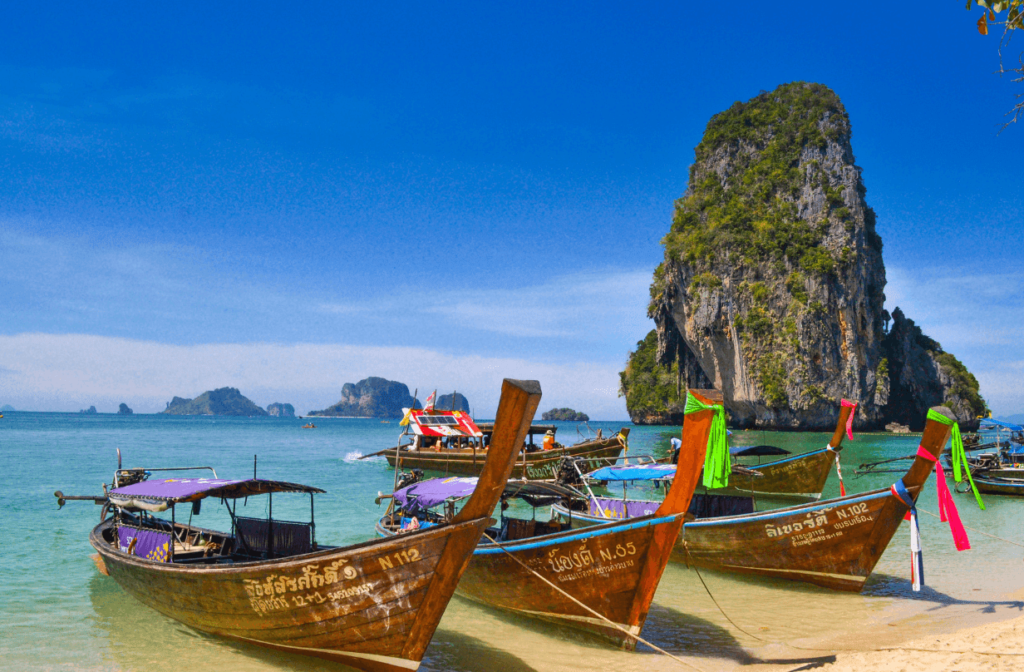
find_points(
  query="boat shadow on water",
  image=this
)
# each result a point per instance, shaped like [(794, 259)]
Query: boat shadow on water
[(683, 634), (885, 585)]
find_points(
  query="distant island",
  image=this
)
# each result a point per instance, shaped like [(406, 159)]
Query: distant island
[(444, 403), (124, 410), (89, 411), (279, 410), (6, 408), (371, 398), (565, 414), (222, 401)]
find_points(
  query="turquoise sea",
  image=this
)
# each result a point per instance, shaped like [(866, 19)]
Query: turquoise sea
[(59, 613)]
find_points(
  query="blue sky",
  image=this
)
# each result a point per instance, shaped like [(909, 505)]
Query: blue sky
[(285, 198)]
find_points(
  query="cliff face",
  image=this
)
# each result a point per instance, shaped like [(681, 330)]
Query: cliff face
[(222, 401), (279, 410), (444, 403), (920, 374), (772, 287), (371, 398)]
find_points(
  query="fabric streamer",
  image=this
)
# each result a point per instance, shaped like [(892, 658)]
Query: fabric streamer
[(959, 456), (947, 507), (916, 557), (839, 473), (849, 421), (717, 465)]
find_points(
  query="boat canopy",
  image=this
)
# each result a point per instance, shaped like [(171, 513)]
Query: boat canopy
[(177, 490), (989, 423), (757, 451), (442, 423), (633, 472), (428, 494)]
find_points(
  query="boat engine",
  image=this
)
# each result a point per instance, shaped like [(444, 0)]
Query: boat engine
[(567, 474), (406, 478)]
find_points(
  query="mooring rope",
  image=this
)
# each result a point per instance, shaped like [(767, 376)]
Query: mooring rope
[(595, 613), (973, 529), (708, 591)]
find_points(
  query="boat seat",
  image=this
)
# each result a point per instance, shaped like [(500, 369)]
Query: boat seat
[(288, 538), (514, 528)]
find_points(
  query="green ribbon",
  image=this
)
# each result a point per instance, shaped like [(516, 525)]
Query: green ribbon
[(717, 465), (959, 455)]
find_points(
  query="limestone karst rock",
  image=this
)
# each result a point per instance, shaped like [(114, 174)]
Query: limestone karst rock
[(772, 286), (371, 398)]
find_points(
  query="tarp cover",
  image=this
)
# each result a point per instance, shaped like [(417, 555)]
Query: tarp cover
[(633, 472), (190, 489), (428, 494)]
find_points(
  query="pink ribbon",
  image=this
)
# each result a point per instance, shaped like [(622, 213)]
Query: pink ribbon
[(947, 508), (849, 420)]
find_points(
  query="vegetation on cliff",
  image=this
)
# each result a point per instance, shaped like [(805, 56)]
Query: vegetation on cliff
[(566, 414), (651, 389), (222, 401)]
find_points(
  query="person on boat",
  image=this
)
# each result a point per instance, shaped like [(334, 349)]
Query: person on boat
[(677, 444), (549, 440)]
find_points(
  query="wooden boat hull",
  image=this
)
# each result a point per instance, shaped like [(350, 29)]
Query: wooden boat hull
[(801, 476), (538, 465), (992, 484), (367, 606), (614, 569), (834, 544)]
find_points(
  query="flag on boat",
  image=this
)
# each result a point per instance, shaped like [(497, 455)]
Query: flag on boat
[(429, 406)]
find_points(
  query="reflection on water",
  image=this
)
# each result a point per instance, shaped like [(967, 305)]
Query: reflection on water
[(59, 613)]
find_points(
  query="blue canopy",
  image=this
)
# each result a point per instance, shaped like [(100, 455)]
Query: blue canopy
[(989, 423), (633, 472)]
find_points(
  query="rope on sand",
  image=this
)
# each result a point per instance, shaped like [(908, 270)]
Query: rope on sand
[(588, 609)]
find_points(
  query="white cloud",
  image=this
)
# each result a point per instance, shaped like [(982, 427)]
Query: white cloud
[(68, 372)]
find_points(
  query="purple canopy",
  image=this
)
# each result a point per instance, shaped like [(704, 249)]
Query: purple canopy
[(191, 489), (426, 494)]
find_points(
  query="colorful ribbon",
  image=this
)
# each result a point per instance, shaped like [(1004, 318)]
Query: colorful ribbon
[(947, 507), (916, 557), (849, 421), (839, 472), (717, 465), (958, 455)]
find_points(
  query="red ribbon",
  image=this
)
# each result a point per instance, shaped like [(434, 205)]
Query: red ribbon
[(947, 507), (849, 421)]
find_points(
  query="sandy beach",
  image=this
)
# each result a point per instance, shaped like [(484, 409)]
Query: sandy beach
[(996, 646)]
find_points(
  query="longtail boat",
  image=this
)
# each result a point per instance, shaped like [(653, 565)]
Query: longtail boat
[(450, 442), (834, 543), (800, 476), (373, 606), (600, 579)]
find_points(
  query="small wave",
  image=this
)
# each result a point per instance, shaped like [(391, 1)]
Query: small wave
[(353, 456)]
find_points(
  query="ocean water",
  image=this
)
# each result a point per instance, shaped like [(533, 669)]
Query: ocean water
[(59, 613)]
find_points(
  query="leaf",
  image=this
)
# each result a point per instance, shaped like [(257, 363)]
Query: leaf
[(991, 15), (982, 25)]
